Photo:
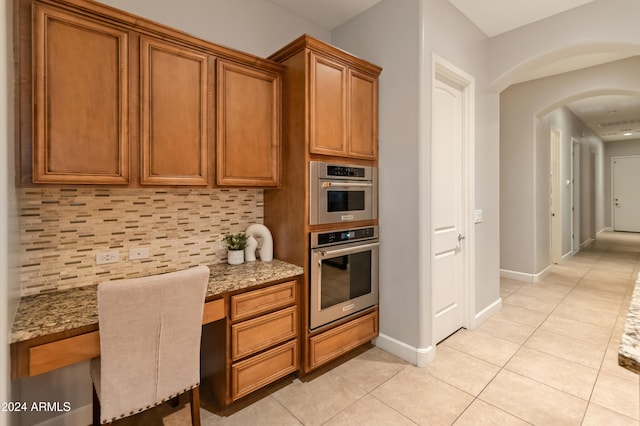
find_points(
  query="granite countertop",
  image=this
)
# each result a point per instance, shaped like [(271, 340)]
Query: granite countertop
[(53, 312), (629, 351)]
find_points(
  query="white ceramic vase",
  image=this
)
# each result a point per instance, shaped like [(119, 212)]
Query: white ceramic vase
[(235, 257)]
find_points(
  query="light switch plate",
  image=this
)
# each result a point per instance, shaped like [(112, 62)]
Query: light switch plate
[(139, 253), (477, 216)]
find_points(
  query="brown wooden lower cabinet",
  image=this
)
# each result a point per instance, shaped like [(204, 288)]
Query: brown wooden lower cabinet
[(260, 370), (329, 345)]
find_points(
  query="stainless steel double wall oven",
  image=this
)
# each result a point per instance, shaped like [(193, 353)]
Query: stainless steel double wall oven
[(343, 261)]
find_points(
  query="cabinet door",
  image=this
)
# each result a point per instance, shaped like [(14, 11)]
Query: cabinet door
[(327, 106), (174, 88), (81, 123), (363, 115), (248, 126)]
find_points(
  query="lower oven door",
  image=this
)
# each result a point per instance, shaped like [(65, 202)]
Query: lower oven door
[(344, 280)]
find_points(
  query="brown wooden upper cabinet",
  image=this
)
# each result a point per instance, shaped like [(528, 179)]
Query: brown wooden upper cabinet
[(174, 114), (248, 126), (120, 100), (342, 95), (81, 120)]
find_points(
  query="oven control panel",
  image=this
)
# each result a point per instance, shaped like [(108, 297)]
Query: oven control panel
[(319, 239)]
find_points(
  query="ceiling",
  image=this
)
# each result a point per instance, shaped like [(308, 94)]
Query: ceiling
[(597, 112), (612, 117)]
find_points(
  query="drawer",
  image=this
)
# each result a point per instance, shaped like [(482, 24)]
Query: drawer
[(266, 299), (213, 311), (61, 353), (331, 344), (259, 333), (260, 370)]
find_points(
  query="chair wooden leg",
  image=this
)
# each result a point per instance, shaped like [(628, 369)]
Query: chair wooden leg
[(96, 408), (195, 406)]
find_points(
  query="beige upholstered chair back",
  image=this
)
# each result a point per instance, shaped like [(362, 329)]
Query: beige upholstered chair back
[(150, 331)]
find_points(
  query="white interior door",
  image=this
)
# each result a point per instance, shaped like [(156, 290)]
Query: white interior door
[(556, 196), (626, 197), (447, 225)]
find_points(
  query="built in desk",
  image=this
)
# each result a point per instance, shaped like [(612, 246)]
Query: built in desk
[(60, 328)]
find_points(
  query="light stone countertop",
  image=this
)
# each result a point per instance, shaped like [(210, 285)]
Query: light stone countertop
[(629, 351), (53, 312)]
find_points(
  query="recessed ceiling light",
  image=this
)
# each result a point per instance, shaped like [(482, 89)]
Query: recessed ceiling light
[(628, 134)]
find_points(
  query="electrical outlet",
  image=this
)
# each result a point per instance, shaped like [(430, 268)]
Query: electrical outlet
[(139, 253), (107, 257)]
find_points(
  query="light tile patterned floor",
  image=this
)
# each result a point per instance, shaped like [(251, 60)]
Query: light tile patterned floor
[(548, 358)]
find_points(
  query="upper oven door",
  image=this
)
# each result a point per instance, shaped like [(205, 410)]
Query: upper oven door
[(344, 201), (344, 280), (341, 193)]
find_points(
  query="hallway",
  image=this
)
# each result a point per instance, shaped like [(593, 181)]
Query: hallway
[(548, 358)]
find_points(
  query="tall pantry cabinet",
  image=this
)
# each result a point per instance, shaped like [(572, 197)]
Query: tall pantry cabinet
[(330, 113)]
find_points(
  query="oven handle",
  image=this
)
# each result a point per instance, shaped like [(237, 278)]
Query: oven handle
[(346, 184), (325, 253)]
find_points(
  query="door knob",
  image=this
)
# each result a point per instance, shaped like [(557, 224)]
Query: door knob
[(461, 237)]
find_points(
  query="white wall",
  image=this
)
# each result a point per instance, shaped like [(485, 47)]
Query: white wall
[(524, 176), (591, 182), (615, 149), (259, 27), (9, 283), (397, 35), (603, 28)]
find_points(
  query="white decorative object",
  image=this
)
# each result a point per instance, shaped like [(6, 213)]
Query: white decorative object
[(250, 250), (266, 249), (235, 257)]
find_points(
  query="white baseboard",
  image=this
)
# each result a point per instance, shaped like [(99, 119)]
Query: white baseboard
[(79, 416), (605, 229), (567, 254), (486, 313), (523, 276), (420, 357), (586, 243)]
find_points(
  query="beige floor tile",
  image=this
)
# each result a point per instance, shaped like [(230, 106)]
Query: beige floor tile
[(509, 285), (371, 368), (618, 394), (507, 330), (593, 299), (532, 401), (599, 295), (369, 411), (481, 345), (480, 413), (423, 398), (610, 365), (585, 353), (461, 370), (577, 329), (598, 416), (599, 317), (521, 315), (265, 412), (318, 400), (567, 376), (529, 302), (546, 291), (561, 277), (618, 288)]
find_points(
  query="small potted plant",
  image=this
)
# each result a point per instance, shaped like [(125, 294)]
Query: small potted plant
[(235, 246)]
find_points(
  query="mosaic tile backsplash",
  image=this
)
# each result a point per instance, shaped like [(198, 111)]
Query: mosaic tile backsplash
[(62, 230)]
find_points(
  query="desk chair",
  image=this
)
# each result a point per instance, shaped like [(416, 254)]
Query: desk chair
[(150, 330)]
